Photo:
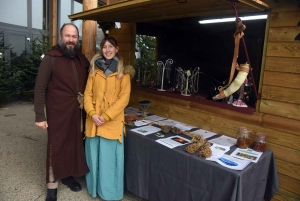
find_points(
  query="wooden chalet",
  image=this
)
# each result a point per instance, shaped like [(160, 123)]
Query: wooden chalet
[(277, 110)]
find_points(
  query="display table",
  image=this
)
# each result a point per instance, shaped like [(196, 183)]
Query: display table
[(158, 173)]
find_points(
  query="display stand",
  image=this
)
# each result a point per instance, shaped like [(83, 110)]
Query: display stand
[(162, 67), (187, 81)]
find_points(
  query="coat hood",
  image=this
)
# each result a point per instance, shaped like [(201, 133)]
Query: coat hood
[(130, 70), (56, 51)]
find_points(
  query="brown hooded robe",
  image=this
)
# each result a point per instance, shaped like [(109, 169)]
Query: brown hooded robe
[(57, 88)]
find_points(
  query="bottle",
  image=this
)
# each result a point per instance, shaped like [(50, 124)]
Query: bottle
[(243, 137), (260, 142)]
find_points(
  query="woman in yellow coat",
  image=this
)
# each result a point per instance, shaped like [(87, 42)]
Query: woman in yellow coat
[(106, 95)]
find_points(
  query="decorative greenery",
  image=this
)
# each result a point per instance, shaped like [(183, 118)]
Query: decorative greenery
[(145, 65)]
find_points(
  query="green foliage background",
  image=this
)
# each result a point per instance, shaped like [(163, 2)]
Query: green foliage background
[(18, 74), (147, 48)]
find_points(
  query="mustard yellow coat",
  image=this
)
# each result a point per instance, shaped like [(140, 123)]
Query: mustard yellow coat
[(109, 95)]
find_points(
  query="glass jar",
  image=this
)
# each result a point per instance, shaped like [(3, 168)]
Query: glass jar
[(260, 142), (243, 137)]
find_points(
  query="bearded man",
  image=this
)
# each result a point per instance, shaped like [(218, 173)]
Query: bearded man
[(60, 82)]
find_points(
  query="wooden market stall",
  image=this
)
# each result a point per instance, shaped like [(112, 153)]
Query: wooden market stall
[(277, 110)]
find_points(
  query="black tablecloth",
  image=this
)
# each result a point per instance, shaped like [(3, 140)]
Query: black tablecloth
[(158, 173)]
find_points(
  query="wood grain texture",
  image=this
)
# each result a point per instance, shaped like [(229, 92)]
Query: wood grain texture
[(278, 114), (54, 22), (123, 37), (124, 46), (285, 19), (289, 169), (285, 195), (283, 49), (282, 94), (89, 31), (281, 109), (151, 10), (283, 64), (125, 54), (279, 79), (284, 125), (284, 34), (227, 125), (133, 42), (287, 183), (125, 43)]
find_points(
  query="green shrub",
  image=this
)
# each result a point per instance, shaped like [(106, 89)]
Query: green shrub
[(10, 82), (18, 74), (30, 62)]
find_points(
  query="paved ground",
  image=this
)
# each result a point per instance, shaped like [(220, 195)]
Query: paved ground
[(22, 159)]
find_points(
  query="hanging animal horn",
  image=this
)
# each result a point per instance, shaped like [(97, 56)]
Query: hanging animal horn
[(243, 70), (236, 84)]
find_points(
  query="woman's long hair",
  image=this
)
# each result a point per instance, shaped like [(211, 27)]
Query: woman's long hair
[(114, 42)]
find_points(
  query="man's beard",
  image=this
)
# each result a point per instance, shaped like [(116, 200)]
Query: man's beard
[(69, 52)]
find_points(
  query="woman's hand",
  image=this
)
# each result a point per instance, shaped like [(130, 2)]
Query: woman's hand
[(98, 120)]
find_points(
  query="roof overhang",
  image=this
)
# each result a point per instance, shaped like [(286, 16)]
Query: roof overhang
[(153, 10)]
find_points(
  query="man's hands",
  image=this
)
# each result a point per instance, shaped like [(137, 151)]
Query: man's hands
[(98, 120), (42, 125)]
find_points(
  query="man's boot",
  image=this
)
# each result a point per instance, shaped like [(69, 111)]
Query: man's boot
[(51, 195), (72, 184)]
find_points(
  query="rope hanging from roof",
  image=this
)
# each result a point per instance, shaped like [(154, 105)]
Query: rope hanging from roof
[(246, 52), (243, 69)]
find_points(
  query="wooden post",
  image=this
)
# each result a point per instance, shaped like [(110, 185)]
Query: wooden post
[(89, 31), (108, 2), (54, 22)]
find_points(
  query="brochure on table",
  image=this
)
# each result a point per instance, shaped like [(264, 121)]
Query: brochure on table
[(173, 141), (155, 118), (183, 127), (143, 122), (246, 154), (168, 122), (206, 134), (219, 156), (224, 140), (146, 130), (219, 150), (173, 123), (230, 162)]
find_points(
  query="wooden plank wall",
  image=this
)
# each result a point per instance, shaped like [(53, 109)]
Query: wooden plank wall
[(278, 114), (126, 41), (280, 104)]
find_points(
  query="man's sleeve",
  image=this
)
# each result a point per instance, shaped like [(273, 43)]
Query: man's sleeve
[(40, 88)]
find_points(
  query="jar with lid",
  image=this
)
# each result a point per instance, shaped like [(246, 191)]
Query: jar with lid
[(243, 137), (260, 142)]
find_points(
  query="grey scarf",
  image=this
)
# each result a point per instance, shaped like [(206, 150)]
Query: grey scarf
[(108, 67)]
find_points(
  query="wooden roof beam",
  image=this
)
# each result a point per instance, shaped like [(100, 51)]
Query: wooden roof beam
[(118, 5), (256, 4)]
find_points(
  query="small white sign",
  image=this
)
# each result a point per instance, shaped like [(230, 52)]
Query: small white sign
[(146, 130), (173, 141)]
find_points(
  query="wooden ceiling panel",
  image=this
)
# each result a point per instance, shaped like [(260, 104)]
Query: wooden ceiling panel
[(149, 10)]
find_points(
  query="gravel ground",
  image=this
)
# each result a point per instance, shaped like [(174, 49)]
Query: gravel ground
[(22, 159)]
